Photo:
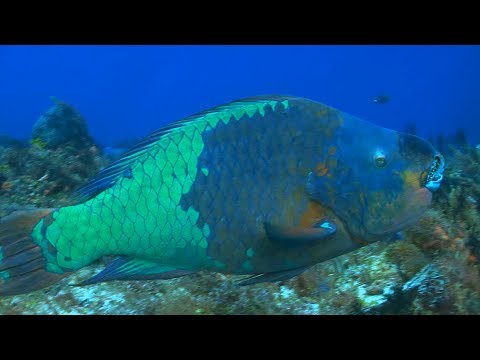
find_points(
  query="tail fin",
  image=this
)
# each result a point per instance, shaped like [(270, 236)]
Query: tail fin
[(22, 264)]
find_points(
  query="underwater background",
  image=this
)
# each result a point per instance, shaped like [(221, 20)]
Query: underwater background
[(122, 93)]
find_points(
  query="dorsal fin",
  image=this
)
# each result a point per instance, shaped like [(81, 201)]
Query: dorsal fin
[(107, 177)]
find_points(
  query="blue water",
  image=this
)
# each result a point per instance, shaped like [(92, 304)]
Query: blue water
[(128, 91)]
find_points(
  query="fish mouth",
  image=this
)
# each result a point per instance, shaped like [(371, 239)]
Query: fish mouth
[(418, 200), (435, 173)]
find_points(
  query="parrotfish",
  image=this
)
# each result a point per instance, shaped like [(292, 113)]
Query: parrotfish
[(264, 186), (382, 99)]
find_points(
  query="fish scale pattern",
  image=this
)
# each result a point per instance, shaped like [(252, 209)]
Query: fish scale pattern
[(253, 178), (142, 214)]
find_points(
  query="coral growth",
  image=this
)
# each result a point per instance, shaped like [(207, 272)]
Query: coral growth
[(61, 125), (45, 175)]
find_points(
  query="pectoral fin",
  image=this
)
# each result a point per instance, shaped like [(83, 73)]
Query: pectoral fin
[(293, 237), (272, 277), (124, 268)]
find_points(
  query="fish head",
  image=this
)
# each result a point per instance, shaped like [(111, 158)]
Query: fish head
[(377, 181)]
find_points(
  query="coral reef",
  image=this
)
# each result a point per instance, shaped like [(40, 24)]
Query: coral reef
[(61, 125), (432, 269), (45, 175)]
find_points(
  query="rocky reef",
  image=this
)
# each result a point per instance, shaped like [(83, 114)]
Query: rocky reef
[(434, 269), (59, 158), (61, 125)]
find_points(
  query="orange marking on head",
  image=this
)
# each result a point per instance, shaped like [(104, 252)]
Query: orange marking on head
[(332, 150), (423, 177), (321, 169), (314, 213), (411, 178), (291, 210)]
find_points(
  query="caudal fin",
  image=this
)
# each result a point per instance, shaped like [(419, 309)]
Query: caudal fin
[(22, 264)]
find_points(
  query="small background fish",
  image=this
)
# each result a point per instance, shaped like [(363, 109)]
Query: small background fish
[(382, 99)]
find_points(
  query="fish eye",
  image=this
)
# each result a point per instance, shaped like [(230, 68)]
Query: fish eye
[(380, 159)]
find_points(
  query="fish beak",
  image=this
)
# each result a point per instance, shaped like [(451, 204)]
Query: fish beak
[(435, 174)]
